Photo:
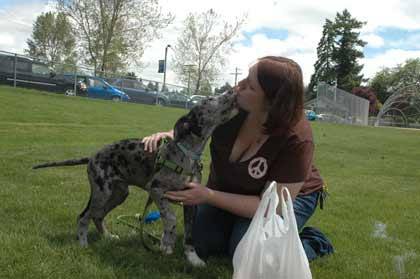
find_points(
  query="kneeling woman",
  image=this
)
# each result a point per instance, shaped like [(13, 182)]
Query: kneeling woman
[(269, 140)]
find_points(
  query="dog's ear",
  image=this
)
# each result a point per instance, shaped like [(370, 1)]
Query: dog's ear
[(182, 127)]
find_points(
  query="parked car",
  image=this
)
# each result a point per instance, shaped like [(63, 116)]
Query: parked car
[(100, 89), (327, 117), (33, 74), (310, 115), (139, 93), (178, 99), (322, 116), (81, 84), (195, 100)]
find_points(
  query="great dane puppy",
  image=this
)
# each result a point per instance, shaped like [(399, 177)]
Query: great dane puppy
[(112, 169)]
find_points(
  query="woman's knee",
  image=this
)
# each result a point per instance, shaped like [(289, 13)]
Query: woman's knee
[(304, 207), (210, 231), (239, 229)]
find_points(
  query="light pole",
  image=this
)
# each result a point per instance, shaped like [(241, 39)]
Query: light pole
[(164, 67)]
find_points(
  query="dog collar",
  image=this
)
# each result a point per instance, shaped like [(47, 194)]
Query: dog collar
[(160, 162), (175, 167), (189, 153)]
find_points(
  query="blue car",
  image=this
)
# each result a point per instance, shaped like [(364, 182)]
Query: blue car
[(100, 89), (310, 115), (96, 87)]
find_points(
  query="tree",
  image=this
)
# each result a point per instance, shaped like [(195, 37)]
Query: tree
[(130, 75), (368, 94), (381, 83), (205, 41), (205, 88), (111, 31), (390, 80), (52, 39), (308, 94), (347, 52), (338, 52), (223, 88), (152, 86), (324, 66)]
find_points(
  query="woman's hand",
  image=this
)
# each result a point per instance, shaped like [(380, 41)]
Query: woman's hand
[(151, 142), (193, 195)]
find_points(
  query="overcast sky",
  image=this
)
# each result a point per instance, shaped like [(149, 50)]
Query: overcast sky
[(290, 28)]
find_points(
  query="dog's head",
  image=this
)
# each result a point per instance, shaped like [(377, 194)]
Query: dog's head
[(200, 122)]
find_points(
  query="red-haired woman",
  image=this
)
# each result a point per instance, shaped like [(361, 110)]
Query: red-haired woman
[(269, 140)]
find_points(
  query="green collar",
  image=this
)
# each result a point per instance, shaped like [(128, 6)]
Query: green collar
[(189, 153), (160, 162)]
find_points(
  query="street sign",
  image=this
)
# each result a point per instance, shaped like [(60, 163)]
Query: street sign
[(161, 66)]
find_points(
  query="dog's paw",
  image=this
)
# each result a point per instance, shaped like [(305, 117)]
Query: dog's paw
[(111, 236), (166, 249), (194, 259), (83, 243), (82, 240)]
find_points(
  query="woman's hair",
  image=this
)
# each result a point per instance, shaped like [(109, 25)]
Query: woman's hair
[(282, 82)]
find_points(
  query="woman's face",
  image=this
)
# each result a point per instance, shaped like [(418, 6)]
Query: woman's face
[(250, 95)]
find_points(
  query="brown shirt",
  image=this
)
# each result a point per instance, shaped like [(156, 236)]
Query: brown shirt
[(286, 158)]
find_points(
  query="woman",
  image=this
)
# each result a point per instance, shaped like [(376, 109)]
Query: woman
[(269, 139)]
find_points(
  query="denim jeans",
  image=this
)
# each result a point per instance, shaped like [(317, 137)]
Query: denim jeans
[(218, 232)]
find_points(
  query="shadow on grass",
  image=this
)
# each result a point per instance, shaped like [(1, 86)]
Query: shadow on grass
[(129, 259), (66, 239)]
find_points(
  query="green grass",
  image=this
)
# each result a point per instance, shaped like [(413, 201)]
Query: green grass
[(373, 176)]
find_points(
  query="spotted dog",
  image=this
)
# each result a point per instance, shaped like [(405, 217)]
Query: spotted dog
[(113, 168)]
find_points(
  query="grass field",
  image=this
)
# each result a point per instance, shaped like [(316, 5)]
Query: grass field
[(372, 214)]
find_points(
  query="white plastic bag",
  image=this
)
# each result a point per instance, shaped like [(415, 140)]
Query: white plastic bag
[(271, 247)]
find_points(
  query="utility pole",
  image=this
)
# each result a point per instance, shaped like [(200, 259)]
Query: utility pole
[(236, 73), (189, 70), (164, 67)]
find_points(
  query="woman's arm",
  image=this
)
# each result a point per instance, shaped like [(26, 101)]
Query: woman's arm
[(244, 205), (241, 205), (294, 189)]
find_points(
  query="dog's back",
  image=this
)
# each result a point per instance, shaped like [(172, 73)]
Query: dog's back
[(126, 160)]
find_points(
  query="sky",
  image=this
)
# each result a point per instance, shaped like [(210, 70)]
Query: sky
[(290, 28)]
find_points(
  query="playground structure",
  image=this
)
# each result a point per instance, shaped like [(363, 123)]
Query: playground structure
[(402, 108)]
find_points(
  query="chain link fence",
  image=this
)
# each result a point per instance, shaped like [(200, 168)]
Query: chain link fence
[(75, 80), (335, 105)]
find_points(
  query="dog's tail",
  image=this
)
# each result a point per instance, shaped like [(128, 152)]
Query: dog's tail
[(72, 162)]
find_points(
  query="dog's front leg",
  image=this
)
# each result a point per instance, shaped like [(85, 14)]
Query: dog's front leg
[(167, 243), (189, 250)]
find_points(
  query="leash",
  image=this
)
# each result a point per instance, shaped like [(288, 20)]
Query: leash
[(149, 240), (159, 163), (155, 239)]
